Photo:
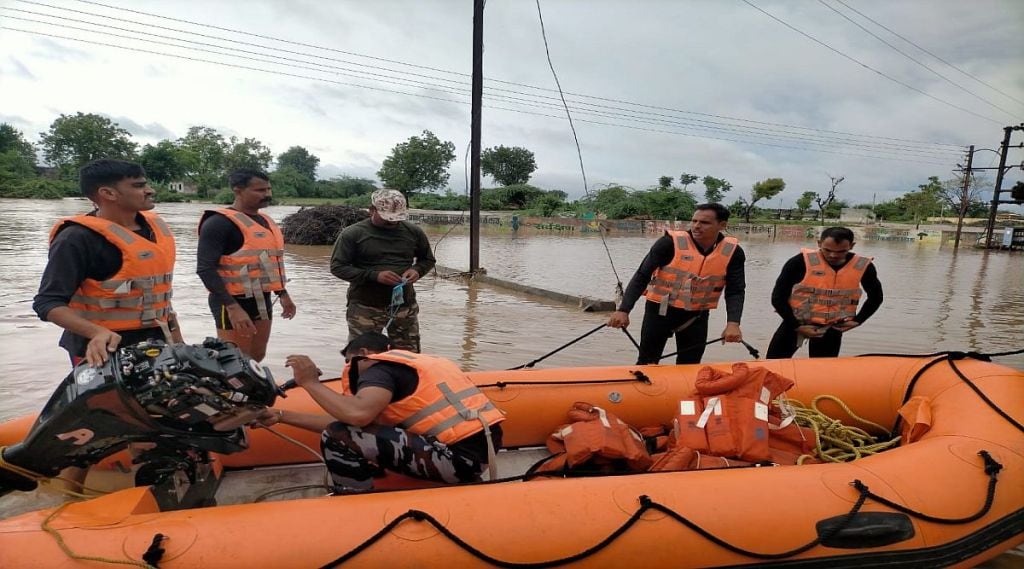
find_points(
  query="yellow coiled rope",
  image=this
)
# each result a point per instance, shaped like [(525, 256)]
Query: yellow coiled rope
[(834, 441)]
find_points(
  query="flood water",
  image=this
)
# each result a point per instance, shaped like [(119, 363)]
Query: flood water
[(934, 300)]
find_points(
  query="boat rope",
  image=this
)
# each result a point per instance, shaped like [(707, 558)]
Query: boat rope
[(951, 357), (992, 469), (46, 482), (750, 349), (834, 441), (556, 350), (638, 377), (67, 550)]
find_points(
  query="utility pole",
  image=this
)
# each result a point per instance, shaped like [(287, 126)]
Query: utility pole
[(965, 197), (1003, 149), (475, 115)]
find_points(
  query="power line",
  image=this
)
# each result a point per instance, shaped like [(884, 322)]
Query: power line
[(360, 74), (439, 70), (911, 58), (866, 66), (893, 32), (379, 89)]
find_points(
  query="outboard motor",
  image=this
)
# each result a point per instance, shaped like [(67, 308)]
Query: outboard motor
[(189, 400)]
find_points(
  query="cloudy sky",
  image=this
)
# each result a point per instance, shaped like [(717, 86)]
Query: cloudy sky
[(738, 89)]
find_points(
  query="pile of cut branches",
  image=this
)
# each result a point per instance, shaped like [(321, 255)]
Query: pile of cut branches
[(319, 225)]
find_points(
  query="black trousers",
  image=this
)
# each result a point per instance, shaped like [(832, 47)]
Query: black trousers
[(783, 344), (657, 329)]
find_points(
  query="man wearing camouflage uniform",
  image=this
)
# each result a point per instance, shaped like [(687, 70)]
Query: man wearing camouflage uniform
[(381, 257), (409, 413)]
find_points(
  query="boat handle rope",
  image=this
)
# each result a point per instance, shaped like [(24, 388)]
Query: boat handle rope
[(951, 357), (992, 468), (638, 376), (556, 350)]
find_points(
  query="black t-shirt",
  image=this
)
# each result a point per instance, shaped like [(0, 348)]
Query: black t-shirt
[(794, 271), (402, 382), (76, 254)]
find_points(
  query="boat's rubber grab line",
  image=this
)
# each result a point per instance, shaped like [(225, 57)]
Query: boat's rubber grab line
[(992, 468)]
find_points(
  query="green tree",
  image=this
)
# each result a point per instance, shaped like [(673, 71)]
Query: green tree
[(17, 157), (420, 162), (687, 179), (343, 187), (715, 188), (247, 153), (164, 162), (289, 182), (926, 201), (203, 150), (508, 165), (803, 203), (665, 182), (765, 189), (76, 139), (300, 160), (666, 203)]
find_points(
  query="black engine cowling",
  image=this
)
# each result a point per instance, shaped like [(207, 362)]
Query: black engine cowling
[(188, 399)]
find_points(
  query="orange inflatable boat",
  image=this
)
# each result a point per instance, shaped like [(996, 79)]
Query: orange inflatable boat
[(953, 497)]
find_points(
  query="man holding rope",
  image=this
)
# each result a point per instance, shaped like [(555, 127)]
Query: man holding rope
[(381, 257), (683, 276)]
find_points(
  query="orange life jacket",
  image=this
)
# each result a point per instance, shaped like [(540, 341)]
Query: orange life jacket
[(597, 434), (729, 415), (691, 281), (258, 266), (826, 296), (138, 296), (446, 404)]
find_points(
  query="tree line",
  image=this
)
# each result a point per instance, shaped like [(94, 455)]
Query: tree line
[(419, 167)]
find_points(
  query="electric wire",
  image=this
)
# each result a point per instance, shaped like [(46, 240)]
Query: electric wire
[(917, 61), (678, 121), (439, 70), (495, 107), (866, 66), (893, 32)]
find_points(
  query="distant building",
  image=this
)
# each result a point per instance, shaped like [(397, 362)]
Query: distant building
[(183, 188), (856, 215)]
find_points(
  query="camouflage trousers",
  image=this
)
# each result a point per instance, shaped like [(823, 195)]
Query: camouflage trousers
[(404, 330), (355, 455)]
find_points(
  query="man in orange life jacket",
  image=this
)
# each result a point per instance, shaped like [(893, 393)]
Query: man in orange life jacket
[(684, 274), (240, 259), (411, 413), (108, 278), (817, 294)]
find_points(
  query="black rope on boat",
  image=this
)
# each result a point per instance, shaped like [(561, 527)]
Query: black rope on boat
[(556, 350), (952, 357), (992, 469), (688, 348), (503, 384)]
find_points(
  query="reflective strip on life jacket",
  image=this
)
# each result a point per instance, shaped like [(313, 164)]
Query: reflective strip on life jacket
[(691, 281), (826, 296), (138, 296), (257, 267)]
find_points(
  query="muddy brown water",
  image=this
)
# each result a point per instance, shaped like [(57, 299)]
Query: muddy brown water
[(934, 300)]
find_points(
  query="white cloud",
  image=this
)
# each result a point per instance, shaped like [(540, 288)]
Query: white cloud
[(713, 58)]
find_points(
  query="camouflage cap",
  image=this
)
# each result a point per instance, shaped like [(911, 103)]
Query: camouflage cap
[(390, 205)]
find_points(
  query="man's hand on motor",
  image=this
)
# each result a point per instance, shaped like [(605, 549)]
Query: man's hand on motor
[(389, 278), (304, 370), (101, 346), (268, 418), (618, 319)]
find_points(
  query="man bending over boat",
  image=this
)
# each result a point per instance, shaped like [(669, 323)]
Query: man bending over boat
[(411, 413), (817, 295), (683, 276)]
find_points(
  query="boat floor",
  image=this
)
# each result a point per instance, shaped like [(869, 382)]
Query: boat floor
[(261, 484)]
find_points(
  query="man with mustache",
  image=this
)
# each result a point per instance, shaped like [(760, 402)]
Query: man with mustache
[(240, 259)]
